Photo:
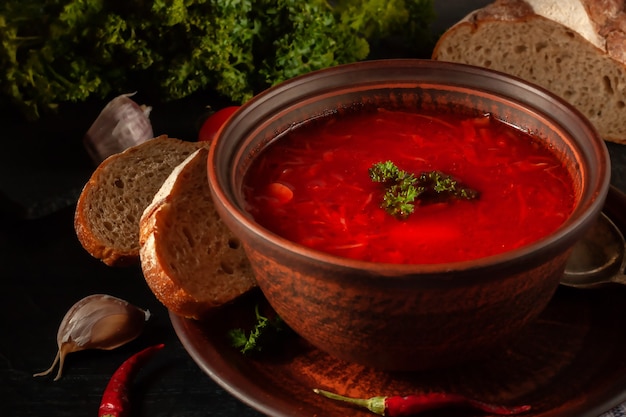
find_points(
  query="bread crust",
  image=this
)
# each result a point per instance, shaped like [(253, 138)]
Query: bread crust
[(196, 271), (591, 42), (92, 222)]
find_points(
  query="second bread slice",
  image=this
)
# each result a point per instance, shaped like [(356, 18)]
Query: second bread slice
[(190, 259)]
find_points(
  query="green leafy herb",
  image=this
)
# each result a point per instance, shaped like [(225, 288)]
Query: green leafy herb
[(403, 189), (57, 51), (262, 330)]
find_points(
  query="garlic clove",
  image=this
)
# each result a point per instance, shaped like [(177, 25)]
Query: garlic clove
[(120, 125), (98, 321)]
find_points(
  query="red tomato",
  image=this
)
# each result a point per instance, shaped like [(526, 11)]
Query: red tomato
[(213, 123)]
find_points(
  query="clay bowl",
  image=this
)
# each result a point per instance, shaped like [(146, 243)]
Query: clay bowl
[(407, 317)]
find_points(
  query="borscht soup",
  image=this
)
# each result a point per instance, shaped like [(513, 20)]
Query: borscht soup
[(413, 188)]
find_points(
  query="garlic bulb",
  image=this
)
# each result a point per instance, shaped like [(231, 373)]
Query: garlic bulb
[(98, 321), (121, 124)]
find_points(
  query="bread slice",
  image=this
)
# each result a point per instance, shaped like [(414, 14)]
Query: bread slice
[(112, 202), (574, 48), (190, 259)]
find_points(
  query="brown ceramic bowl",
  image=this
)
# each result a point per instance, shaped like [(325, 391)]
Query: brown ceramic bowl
[(407, 317)]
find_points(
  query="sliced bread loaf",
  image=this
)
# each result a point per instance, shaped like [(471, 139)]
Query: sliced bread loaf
[(112, 202), (574, 48), (190, 259)]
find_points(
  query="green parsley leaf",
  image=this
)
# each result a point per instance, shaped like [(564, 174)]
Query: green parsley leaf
[(402, 189), (58, 51), (253, 341)]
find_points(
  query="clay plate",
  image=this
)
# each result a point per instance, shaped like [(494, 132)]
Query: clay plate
[(570, 362)]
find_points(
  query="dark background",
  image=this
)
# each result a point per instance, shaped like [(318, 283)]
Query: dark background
[(44, 270)]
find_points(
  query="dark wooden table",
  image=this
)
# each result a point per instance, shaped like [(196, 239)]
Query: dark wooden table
[(44, 270)]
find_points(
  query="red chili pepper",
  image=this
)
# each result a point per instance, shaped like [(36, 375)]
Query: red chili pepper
[(409, 405), (115, 400)]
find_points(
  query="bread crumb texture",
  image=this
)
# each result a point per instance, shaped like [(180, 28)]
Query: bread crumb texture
[(546, 53), (112, 202), (190, 259)]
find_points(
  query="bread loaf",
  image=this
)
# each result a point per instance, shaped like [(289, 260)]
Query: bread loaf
[(574, 48), (112, 202), (190, 259)]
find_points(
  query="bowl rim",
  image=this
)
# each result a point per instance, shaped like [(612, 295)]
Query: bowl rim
[(580, 219)]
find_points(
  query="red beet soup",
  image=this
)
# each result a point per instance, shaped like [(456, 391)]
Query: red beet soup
[(312, 185)]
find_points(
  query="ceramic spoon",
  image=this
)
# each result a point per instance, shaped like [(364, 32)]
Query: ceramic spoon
[(598, 258)]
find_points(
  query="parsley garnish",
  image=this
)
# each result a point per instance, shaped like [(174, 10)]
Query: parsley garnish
[(253, 342), (402, 188)]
